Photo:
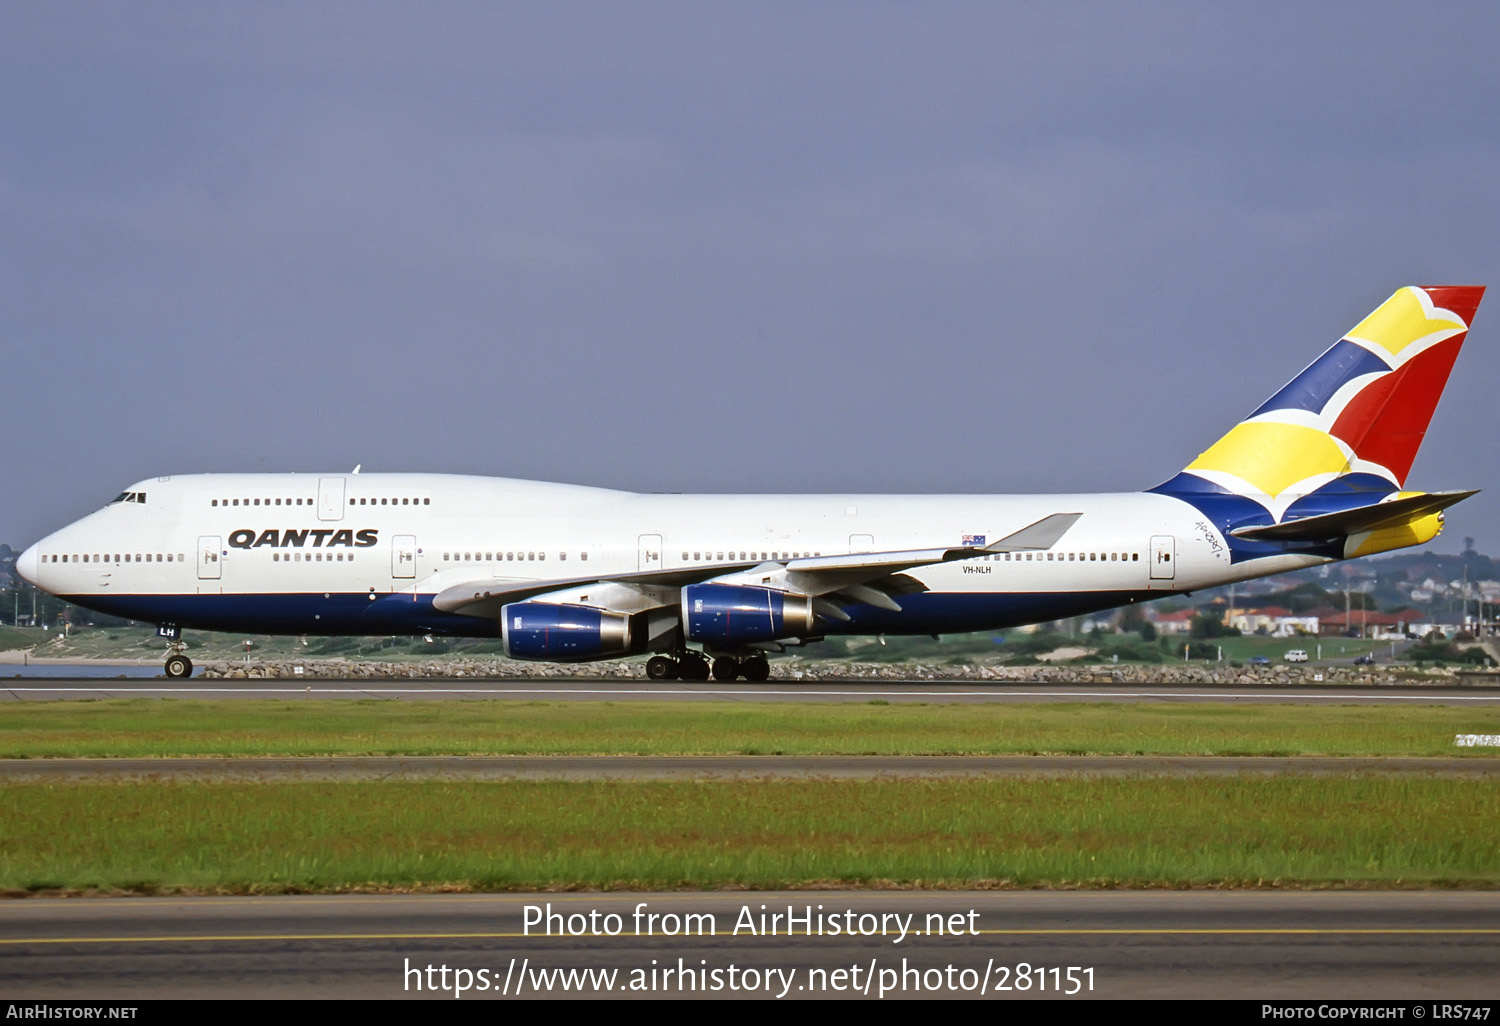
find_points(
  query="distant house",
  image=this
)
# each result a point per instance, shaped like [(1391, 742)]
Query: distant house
[(1180, 622), (1273, 620), (1368, 623)]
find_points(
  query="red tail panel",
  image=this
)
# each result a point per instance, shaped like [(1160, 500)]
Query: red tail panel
[(1386, 422)]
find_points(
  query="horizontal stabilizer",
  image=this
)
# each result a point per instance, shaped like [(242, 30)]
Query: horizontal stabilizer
[(1352, 521)]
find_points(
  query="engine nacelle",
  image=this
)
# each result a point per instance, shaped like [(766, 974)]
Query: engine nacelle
[(731, 613), (563, 633)]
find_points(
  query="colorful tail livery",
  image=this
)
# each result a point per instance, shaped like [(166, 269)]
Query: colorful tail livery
[(1320, 466)]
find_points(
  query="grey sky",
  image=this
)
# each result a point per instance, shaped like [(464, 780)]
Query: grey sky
[(721, 247)]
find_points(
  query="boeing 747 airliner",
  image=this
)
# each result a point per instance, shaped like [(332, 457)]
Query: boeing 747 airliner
[(713, 583)]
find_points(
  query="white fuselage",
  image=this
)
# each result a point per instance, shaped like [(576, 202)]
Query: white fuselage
[(366, 553)]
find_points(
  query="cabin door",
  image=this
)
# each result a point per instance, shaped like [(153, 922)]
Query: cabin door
[(330, 498), (650, 552), (1163, 557), (404, 555), (208, 558)]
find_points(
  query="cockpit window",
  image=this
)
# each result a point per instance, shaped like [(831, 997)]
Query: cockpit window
[(128, 497)]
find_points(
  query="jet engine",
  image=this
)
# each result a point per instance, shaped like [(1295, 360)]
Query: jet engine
[(562, 633), (728, 613)]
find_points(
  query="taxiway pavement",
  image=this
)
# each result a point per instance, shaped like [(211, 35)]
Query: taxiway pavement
[(1442, 945)]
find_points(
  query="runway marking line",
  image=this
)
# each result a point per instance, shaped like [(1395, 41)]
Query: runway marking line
[(1076, 932)]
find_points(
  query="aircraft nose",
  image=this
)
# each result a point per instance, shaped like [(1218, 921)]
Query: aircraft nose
[(26, 564)]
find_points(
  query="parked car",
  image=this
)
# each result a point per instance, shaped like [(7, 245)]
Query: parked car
[(1296, 655), (1259, 660), (1367, 659)]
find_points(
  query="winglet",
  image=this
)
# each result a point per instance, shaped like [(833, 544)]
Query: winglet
[(1043, 534)]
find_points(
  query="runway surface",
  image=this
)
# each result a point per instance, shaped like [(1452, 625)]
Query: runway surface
[(57, 689), (721, 767), (1195, 944)]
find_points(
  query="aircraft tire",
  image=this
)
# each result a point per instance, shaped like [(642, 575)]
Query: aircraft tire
[(694, 667), (179, 666), (726, 669), (661, 668), (756, 669)]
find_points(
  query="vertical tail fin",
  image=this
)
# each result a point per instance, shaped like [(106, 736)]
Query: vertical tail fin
[(1353, 420)]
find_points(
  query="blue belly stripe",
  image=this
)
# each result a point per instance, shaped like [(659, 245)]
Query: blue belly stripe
[(299, 613), (356, 614)]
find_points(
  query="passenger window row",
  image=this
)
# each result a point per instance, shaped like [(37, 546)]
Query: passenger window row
[(96, 557), (311, 557), (407, 501), (719, 557), (503, 557), (259, 502), (1069, 557)]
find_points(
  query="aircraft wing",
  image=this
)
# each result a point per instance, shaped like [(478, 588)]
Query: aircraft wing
[(814, 575)]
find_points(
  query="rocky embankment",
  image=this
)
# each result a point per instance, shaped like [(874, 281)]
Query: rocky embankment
[(499, 669)]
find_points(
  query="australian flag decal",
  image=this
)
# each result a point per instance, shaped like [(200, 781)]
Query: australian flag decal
[(973, 539)]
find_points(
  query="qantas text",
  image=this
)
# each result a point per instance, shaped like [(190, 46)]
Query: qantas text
[(323, 538)]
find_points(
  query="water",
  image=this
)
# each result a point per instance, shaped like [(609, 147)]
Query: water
[(10, 671)]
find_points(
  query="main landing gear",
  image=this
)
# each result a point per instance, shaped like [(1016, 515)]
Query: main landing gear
[(689, 666), (178, 665), (755, 669), (692, 666)]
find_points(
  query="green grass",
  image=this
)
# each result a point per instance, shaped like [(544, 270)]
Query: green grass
[(1345, 649), (21, 637), (157, 727), (1140, 832)]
